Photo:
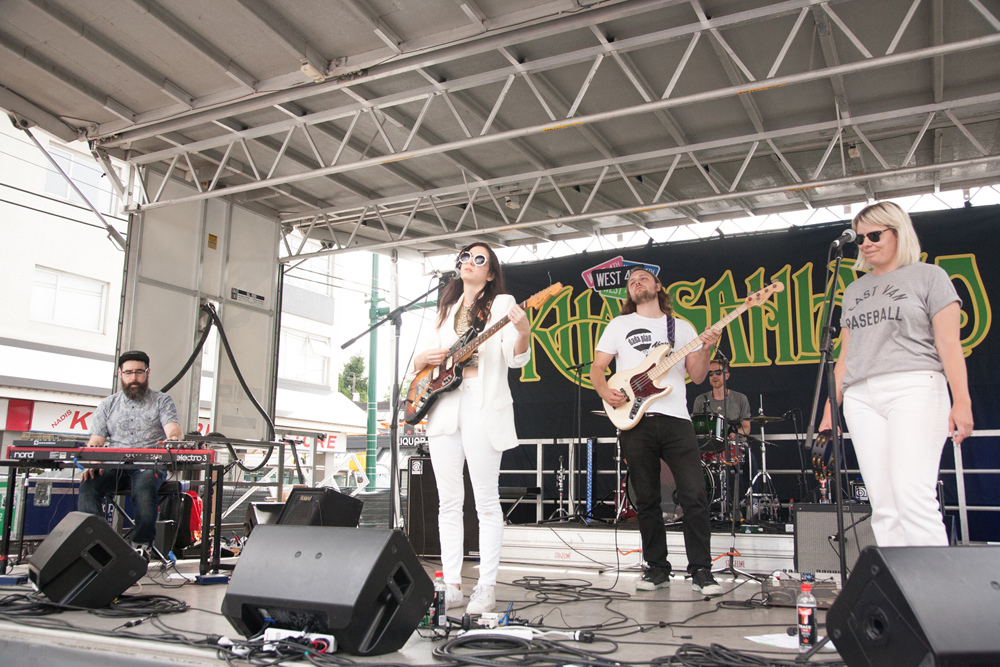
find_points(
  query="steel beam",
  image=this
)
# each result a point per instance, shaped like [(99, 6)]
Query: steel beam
[(565, 220)]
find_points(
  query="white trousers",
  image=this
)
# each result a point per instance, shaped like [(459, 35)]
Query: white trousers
[(898, 424), (448, 454)]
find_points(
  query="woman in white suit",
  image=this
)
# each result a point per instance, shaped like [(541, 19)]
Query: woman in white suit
[(474, 423)]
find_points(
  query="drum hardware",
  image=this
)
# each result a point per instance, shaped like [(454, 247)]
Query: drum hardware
[(560, 514), (766, 501)]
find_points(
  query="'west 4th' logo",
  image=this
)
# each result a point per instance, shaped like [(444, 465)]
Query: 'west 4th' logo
[(609, 278)]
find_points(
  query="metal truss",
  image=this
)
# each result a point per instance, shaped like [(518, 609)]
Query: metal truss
[(470, 205)]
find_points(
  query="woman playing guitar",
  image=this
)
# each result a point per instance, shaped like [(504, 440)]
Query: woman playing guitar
[(474, 423)]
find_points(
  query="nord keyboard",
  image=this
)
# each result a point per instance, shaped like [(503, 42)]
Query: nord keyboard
[(110, 454)]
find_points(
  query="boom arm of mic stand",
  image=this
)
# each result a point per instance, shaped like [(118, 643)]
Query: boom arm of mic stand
[(392, 315)]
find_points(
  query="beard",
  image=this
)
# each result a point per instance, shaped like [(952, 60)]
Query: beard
[(136, 390), (644, 296)]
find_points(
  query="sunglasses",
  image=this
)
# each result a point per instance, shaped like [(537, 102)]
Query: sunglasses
[(873, 236), (711, 373), (478, 260)]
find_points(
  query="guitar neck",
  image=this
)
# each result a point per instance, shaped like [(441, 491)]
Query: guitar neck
[(668, 362), (466, 350)]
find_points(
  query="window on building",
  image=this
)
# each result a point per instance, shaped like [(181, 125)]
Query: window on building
[(87, 175), (68, 300), (304, 357)]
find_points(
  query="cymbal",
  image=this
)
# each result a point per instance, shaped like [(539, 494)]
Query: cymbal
[(599, 412), (764, 419)]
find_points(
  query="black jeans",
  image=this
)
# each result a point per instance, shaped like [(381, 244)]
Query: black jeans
[(658, 437)]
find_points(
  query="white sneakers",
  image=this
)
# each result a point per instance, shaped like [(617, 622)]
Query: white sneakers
[(483, 600), (453, 597)]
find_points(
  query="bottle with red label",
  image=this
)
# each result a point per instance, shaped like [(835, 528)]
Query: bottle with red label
[(806, 605)]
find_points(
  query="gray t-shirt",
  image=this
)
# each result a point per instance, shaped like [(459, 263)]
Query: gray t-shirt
[(889, 317), (736, 404), (127, 423)]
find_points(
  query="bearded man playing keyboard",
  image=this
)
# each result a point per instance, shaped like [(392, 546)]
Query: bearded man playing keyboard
[(135, 417)]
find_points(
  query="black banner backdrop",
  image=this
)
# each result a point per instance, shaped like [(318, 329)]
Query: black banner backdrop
[(773, 348)]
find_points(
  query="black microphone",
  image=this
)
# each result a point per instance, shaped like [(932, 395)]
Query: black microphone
[(445, 275), (847, 237), (722, 354)]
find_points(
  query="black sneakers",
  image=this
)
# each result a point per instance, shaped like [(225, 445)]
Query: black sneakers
[(653, 579), (703, 582)]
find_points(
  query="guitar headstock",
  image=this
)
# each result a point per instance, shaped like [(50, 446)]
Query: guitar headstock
[(540, 298), (763, 295)]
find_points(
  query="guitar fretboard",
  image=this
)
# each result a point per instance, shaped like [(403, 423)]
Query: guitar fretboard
[(665, 364)]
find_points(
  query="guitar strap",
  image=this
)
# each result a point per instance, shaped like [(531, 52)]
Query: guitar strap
[(670, 333), (480, 322)]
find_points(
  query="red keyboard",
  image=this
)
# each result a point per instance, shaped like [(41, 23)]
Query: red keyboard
[(111, 454)]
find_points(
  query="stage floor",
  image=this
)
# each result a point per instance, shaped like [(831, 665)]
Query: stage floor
[(560, 595)]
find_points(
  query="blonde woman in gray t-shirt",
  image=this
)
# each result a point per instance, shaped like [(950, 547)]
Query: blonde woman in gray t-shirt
[(900, 351)]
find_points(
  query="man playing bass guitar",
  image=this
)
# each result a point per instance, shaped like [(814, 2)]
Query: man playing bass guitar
[(664, 431)]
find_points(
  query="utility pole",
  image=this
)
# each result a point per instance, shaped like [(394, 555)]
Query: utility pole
[(371, 449)]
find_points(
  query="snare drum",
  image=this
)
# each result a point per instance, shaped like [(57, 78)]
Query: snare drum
[(729, 455), (710, 430)]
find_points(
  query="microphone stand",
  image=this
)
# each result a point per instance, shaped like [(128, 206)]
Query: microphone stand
[(396, 317), (826, 366)]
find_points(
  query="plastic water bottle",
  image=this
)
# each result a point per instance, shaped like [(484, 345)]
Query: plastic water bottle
[(806, 604), (439, 611)]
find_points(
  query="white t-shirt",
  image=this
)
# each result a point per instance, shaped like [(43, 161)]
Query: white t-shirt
[(631, 337)]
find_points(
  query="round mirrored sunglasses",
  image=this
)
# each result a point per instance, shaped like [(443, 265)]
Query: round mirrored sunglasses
[(478, 260)]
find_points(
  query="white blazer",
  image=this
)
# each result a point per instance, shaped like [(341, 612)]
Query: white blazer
[(496, 355)]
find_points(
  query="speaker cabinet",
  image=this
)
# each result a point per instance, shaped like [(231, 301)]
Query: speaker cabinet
[(919, 606), (363, 586), (260, 513), (320, 507), (816, 524), (84, 563), (422, 510)]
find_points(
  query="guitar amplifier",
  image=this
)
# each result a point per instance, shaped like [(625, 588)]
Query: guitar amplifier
[(422, 511), (816, 524)]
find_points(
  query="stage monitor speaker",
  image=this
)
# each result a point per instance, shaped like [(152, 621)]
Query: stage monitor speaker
[(919, 606), (320, 507), (260, 513), (84, 563), (422, 511), (816, 536), (363, 586)]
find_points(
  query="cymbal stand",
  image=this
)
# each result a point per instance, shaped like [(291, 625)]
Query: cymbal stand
[(560, 514), (766, 497)]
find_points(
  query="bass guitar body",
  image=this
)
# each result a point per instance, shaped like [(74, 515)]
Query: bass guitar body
[(638, 388)]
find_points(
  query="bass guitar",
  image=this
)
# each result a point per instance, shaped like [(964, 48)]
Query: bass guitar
[(639, 384), (433, 381)]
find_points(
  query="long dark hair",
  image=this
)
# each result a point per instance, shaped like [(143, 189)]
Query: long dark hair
[(665, 305), (456, 288)]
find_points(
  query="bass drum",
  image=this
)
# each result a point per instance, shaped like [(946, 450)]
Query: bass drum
[(669, 505)]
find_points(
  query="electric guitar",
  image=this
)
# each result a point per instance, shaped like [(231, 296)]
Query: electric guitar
[(639, 384), (433, 381)]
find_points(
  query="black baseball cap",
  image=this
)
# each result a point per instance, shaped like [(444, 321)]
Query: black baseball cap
[(133, 355)]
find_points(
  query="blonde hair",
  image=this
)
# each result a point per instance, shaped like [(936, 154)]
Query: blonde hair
[(889, 214)]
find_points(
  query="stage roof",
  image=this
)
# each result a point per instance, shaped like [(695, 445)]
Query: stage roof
[(374, 124)]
